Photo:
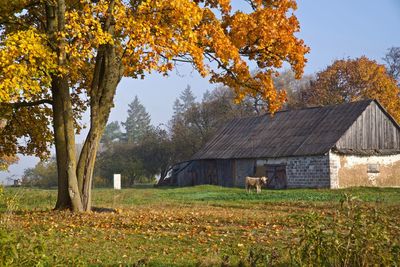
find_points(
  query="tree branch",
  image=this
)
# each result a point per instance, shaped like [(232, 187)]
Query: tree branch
[(28, 104)]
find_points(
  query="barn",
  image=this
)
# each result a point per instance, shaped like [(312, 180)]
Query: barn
[(352, 144)]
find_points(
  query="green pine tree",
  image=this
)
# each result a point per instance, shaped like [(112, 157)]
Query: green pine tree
[(137, 125)]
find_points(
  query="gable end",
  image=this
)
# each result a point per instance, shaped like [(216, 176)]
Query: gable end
[(374, 132)]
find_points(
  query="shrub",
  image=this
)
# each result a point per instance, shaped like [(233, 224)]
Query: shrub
[(3, 202), (355, 235), (8, 248), (262, 256), (101, 182), (255, 255)]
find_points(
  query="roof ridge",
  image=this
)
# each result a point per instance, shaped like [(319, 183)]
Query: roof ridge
[(326, 106), (306, 108)]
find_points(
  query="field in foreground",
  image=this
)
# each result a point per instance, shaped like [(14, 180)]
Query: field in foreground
[(204, 226)]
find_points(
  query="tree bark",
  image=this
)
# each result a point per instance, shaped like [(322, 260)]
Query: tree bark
[(63, 199), (64, 131), (86, 166), (107, 74), (69, 130)]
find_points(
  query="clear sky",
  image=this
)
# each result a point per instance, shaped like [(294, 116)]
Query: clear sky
[(332, 29)]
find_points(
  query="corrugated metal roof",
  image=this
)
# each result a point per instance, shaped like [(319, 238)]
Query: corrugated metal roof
[(311, 131)]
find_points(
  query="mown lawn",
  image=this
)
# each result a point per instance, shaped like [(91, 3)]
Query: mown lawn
[(202, 225)]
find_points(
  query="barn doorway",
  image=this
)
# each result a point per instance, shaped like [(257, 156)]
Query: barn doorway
[(276, 176)]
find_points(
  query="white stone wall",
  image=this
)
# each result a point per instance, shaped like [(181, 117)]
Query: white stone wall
[(352, 161), (350, 170), (334, 166)]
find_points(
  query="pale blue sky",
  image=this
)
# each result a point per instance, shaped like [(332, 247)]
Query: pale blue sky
[(332, 29)]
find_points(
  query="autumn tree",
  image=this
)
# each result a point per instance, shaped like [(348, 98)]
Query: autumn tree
[(349, 80), (284, 81), (6, 161), (19, 54), (52, 52)]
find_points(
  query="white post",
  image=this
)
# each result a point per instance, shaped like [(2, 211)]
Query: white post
[(117, 181)]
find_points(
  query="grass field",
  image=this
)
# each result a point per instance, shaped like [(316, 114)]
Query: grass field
[(202, 225)]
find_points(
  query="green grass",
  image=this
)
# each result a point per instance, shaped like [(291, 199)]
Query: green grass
[(168, 226), (205, 194), (221, 194)]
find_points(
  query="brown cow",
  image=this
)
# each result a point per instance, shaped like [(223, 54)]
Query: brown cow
[(255, 182)]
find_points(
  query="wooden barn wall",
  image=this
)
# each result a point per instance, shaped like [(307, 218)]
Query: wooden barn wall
[(243, 168), (198, 172), (373, 130), (225, 172)]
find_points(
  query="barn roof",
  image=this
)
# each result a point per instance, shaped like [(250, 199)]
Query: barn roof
[(310, 131)]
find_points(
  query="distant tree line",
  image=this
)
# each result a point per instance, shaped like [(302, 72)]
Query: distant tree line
[(143, 151), (140, 151), (43, 175)]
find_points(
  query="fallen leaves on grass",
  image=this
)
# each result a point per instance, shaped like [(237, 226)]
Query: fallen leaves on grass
[(159, 232)]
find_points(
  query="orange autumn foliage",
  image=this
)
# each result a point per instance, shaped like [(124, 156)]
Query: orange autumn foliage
[(153, 35), (349, 80), (6, 161)]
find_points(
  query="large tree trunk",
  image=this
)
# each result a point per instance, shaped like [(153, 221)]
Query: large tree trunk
[(63, 199), (64, 135), (86, 167), (64, 131), (69, 130), (107, 74)]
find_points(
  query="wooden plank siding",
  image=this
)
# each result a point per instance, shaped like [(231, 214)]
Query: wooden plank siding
[(215, 172), (374, 132)]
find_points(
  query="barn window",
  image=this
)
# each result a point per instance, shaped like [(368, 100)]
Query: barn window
[(373, 168)]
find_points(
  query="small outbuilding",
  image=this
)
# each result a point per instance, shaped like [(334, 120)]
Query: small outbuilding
[(352, 144)]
